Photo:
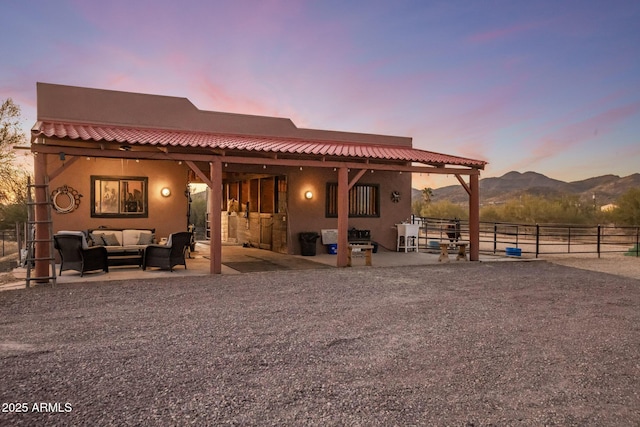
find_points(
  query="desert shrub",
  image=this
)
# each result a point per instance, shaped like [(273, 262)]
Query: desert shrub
[(627, 211)]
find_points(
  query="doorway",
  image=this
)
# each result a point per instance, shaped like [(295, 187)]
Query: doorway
[(254, 211)]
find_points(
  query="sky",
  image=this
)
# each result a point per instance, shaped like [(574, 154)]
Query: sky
[(550, 86)]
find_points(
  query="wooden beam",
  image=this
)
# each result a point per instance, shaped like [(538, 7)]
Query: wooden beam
[(117, 154), (65, 165), (464, 184), (441, 170), (356, 178), (199, 172)]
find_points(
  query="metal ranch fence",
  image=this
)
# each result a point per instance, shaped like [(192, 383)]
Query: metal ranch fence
[(10, 240), (535, 239)]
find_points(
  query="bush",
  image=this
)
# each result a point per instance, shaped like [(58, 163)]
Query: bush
[(627, 211), (441, 209), (10, 214)]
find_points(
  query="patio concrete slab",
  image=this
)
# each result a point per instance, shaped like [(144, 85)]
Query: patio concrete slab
[(237, 259)]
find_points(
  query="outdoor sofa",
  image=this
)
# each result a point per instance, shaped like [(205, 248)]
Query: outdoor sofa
[(125, 246)]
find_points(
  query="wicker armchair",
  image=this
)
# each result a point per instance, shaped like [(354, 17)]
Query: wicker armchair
[(169, 255), (75, 255)]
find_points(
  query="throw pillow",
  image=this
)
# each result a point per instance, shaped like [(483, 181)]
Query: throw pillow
[(110, 240), (145, 239), (95, 240)]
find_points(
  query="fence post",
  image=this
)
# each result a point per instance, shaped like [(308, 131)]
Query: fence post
[(598, 241), (537, 240), (495, 237)]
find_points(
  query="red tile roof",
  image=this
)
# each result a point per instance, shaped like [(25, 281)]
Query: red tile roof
[(162, 137)]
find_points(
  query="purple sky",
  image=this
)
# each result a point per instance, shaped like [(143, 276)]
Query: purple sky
[(549, 86)]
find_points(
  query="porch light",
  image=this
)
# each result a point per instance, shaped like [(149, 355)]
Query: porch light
[(166, 192), (308, 195)]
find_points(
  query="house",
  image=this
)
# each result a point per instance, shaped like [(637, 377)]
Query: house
[(126, 159)]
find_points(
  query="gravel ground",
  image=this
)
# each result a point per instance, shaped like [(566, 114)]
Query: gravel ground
[(463, 344)]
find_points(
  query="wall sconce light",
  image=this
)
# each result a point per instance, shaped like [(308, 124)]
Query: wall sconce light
[(166, 192), (308, 195)]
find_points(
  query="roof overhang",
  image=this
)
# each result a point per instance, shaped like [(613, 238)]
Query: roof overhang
[(95, 140)]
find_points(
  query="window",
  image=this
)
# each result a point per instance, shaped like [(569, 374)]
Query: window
[(119, 197), (364, 200)]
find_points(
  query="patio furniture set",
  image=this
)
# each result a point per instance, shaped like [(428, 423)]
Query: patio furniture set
[(99, 249)]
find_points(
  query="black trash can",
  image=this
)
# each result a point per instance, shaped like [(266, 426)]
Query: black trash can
[(308, 243)]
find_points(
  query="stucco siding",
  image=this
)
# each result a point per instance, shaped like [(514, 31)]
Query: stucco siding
[(165, 214)]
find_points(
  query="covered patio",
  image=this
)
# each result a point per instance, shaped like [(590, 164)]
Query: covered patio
[(150, 134)]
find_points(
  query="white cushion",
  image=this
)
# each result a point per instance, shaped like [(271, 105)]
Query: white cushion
[(132, 237), (85, 244)]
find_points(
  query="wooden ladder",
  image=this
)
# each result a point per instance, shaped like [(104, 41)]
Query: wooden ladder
[(31, 240)]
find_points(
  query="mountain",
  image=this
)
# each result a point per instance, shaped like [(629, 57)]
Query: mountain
[(606, 188)]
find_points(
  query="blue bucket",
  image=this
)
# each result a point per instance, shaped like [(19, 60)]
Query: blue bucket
[(332, 248), (513, 251)]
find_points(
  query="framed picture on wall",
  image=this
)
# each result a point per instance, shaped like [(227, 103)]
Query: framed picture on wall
[(119, 197)]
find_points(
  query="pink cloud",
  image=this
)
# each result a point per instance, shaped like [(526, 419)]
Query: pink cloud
[(506, 32), (575, 134)]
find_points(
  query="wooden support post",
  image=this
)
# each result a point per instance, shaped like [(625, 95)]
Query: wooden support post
[(474, 217), (215, 207), (343, 216)]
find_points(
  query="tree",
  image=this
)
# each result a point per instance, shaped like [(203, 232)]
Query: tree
[(627, 211), (427, 195), (12, 178)]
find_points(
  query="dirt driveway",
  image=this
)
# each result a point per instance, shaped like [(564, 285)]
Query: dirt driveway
[(463, 344)]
